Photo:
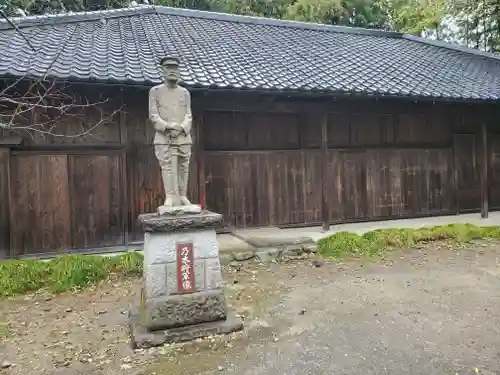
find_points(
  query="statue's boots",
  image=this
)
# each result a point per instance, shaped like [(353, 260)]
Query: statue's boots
[(185, 201), (170, 192), (183, 175), (169, 201)]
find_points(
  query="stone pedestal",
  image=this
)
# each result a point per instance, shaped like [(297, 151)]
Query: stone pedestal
[(182, 297)]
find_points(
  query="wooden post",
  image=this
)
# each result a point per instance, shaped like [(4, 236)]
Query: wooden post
[(484, 171), (5, 198), (325, 217), (7, 216), (454, 176), (125, 224)]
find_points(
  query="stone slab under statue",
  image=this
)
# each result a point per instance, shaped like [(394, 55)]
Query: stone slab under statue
[(179, 210), (182, 296)]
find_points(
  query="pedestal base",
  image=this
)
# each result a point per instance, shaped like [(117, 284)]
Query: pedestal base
[(183, 309), (182, 297), (142, 338)]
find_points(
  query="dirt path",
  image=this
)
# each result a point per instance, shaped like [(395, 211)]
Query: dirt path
[(87, 332), (419, 292)]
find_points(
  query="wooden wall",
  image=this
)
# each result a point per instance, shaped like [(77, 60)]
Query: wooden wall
[(385, 159), (82, 193), (256, 159), (494, 171)]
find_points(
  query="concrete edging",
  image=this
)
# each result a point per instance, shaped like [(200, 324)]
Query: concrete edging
[(267, 254)]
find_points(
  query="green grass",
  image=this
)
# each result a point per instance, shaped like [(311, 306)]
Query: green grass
[(4, 331), (72, 272), (377, 241), (64, 273)]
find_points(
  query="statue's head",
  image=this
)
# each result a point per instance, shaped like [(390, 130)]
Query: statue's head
[(170, 68)]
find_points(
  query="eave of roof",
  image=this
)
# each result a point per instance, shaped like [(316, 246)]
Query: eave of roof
[(274, 92)]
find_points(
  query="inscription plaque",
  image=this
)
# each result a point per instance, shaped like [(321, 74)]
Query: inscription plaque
[(185, 268)]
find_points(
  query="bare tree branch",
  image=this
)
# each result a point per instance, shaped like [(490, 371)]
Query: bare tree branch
[(44, 128), (42, 105), (61, 107), (27, 108), (2, 13)]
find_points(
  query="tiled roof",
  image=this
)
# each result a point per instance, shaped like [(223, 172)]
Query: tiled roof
[(228, 51)]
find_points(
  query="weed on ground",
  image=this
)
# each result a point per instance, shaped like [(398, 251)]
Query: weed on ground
[(377, 241), (72, 272), (64, 273), (5, 331)]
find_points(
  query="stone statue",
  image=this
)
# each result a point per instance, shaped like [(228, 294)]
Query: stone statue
[(170, 113)]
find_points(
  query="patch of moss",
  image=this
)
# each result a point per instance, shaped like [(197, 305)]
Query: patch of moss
[(377, 241), (346, 243)]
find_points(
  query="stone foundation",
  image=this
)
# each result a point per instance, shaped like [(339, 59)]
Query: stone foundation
[(184, 309), (143, 338), (182, 296)]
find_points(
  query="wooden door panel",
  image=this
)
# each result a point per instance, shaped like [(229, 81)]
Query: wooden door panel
[(96, 201), (40, 211), (494, 171), (467, 178)]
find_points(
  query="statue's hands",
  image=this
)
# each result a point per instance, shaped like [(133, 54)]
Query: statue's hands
[(174, 129)]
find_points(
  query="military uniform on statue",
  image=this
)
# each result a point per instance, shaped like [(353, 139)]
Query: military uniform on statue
[(170, 113)]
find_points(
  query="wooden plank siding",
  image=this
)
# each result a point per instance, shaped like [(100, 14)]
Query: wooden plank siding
[(494, 171), (271, 187), (96, 200), (256, 159), (40, 203), (4, 203), (467, 179), (380, 165)]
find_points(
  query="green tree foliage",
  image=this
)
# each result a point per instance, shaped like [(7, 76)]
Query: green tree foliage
[(187, 4), (17, 7), (360, 13), (475, 23), (414, 16), (478, 23), (261, 8), (322, 11)]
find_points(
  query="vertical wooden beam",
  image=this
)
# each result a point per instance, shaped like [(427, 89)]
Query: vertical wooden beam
[(200, 154), (484, 171), (325, 217), (125, 224), (454, 176), (6, 249)]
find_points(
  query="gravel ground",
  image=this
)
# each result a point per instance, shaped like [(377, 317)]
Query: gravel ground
[(431, 310)]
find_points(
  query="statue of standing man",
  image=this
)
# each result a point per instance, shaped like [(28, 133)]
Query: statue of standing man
[(170, 113)]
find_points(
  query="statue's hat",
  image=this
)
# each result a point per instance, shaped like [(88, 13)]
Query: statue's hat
[(169, 60)]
